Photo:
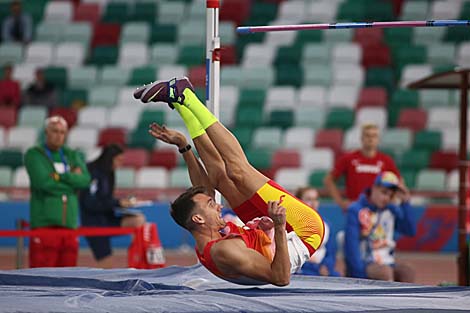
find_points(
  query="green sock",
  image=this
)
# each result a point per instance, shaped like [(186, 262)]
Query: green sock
[(192, 123), (200, 111)]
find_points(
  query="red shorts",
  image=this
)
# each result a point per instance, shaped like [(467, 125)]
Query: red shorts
[(300, 218), (53, 250)]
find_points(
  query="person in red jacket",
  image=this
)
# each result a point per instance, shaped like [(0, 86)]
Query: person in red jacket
[(360, 167), (10, 91)]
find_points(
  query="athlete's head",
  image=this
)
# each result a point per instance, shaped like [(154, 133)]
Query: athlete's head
[(195, 208), (56, 131), (309, 195), (370, 136), (384, 188)]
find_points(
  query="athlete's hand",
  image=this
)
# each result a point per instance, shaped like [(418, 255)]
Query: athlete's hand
[(173, 137), (277, 213)]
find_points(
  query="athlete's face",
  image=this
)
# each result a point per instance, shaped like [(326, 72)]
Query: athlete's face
[(370, 138), (208, 211), (310, 197), (380, 196)]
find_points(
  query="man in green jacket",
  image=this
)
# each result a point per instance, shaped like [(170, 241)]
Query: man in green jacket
[(56, 173)]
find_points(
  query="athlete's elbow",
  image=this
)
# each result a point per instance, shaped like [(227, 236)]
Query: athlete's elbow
[(281, 281)]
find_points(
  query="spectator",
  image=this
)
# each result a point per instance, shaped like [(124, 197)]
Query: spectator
[(359, 167), (98, 204), (18, 25), (323, 261), (370, 226), (56, 173), (10, 91), (41, 92)]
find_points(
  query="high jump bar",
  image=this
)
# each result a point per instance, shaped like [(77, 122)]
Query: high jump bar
[(395, 24)]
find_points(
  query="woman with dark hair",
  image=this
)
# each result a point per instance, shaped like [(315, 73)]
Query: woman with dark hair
[(98, 204)]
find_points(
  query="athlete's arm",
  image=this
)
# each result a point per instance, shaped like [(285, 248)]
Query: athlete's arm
[(233, 258), (197, 173)]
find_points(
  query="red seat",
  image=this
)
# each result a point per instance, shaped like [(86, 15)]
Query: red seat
[(89, 12), (112, 135), (446, 160), (228, 55), (414, 119), (197, 76), (70, 115), (285, 158), (368, 36), (165, 157), (376, 55), (135, 158), (372, 97), (235, 10), (329, 138), (7, 116), (106, 34)]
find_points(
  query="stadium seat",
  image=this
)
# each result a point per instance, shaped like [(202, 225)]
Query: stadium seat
[(442, 118), (431, 180), (106, 35), (39, 54), (114, 76), (298, 137), (267, 138), (11, 53), (171, 12), (372, 96), (244, 136), (309, 116), (135, 158), (105, 96), (78, 32), (368, 36), (166, 158), (12, 158), (7, 117), (396, 139), (428, 140), (6, 174), (70, 115), (133, 54), (346, 53), (2, 137), (103, 55), (22, 138), (329, 138), (112, 135), (414, 159), (138, 32), (32, 116), (58, 11), (376, 56), (292, 178), (179, 178), (452, 181), (283, 97), (352, 139), (82, 77), (124, 116), (317, 158), (140, 138), (87, 12), (234, 10), (142, 75), (342, 118), (152, 177), (116, 12), (69, 54), (286, 158), (381, 77), (367, 115), (414, 119), (163, 33), (261, 159), (191, 55), (444, 160), (312, 95), (145, 11), (93, 117), (82, 137), (414, 10), (257, 77), (20, 178), (342, 96), (125, 178), (163, 53)]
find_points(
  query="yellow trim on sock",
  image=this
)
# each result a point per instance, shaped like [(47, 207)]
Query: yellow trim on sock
[(200, 111), (192, 123)]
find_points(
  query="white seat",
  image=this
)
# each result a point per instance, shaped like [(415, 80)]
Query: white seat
[(69, 54), (445, 10), (291, 179), (3, 141), (179, 178), (352, 138), (280, 39), (317, 159), (293, 10), (39, 53), (312, 95), (349, 53), (83, 137), (133, 55), (267, 137), (463, 54), (322, 11), (348, 75), (280, 98), (152, 177), (227, 115), (258, 55), (229, 95), (377, 116), (22, 137), (399, 139), (125, 177), (309, 116), (124, 116), (92, 154), (452, 180), (102, 96), (21, 177), (162, 53), (442, 118), (167, 72), (58, 11), (342, 96), (413, 73), (298, 137), (126, 98), (95, 117), (24, 73), (32, 116), (82, 77), (451, 138), (135, 32)]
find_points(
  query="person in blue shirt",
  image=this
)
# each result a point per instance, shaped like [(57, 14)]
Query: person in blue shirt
[(371, 223), (18, 26), (323, 261), (98, 204)]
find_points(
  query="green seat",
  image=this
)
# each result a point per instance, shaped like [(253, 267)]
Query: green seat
[(162, 54), (288, 75), (416, 10), (11, 53), (82, 77), (135, 32), (396, 139), (104, 55), (404, 55), (260, 159), (465, 11), (405, 98), (231, 76), (429, 140), (281, 118), (125, 178), (382, 12), (192, 33), (267, 138), (252, 98), (149, 116), (11, 158), (256, 78), (331, 36), (342, 118), (116, 12), (165, 33), (409, 176), (352, 11), (414, 159), (318, 74), (114, 76), (288, 55), (6, 175), (316, 178), (49, 32), (397, 36), (381, 77), (171, 12), (78, 32), (140, 138), (71, 96), (192, 55), (35, 8), (249, 116), (242, 41), (102, 96), (244, 136), (144, 12), (456, 34), (430, 98), (142, 75), (428, 35), (57, 76), (431, 180), (33, 116), (304, 37), (309, 116), (262, 13)]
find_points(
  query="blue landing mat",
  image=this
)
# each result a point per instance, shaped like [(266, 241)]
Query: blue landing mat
[(194, 289)]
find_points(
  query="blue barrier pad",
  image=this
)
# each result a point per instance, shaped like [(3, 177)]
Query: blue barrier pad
[(194, 289)]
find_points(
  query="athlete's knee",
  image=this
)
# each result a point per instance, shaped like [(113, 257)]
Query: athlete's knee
[(237, 172)]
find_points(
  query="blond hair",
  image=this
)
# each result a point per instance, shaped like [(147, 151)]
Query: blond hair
[(56, 119)]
